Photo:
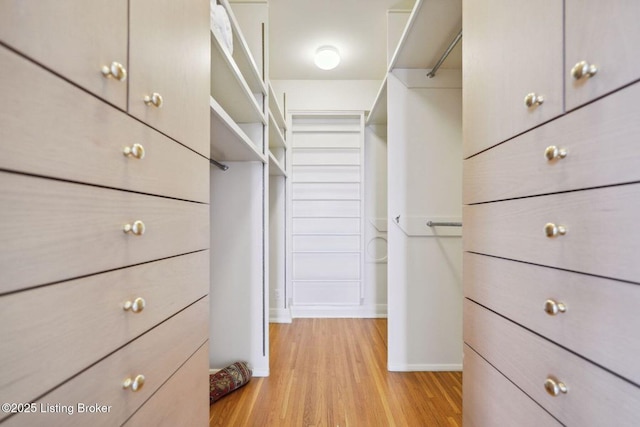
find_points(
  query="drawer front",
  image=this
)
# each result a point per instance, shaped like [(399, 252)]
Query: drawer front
[(74, 136), (169, 50), (601, 149), (594, 397), (602, 231), (43, 323), (156, 355), (74, 38), (605, 34), (533, 51), (600, 321), (490, 398), (53, 231), (183, 400)]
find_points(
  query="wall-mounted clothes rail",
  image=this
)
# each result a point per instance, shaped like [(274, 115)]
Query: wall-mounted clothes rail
[(443, 224), (446, 53), (218, 165)]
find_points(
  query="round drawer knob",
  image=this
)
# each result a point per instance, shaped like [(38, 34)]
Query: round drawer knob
[(154, 99), (583, 70), (552, 230), (134, 384), (137, 228), (532, 99), (115, 71), (554, 153), (136, 150), (555, 387), (552, 307), (136, 306)]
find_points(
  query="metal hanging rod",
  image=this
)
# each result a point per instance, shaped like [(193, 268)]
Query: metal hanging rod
[(431, 74), (218, 165), (444, 224)]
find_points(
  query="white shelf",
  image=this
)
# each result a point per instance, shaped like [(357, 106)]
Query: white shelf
[(228, 141), (229, 87), (242, 55), (432, 26), (378, 113), (274, 166), (274, 107), (276, 139)]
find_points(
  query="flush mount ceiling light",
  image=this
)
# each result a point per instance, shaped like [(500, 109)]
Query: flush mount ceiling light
[(327, 58)]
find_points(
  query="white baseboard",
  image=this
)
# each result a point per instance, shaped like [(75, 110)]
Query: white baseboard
[(261, 373), (418, 367), (279, 315), (347, 311)]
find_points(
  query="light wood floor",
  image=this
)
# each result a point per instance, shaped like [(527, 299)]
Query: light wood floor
[(332, 372)]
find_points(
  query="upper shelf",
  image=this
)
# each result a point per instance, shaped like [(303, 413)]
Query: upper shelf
[(275, 169), (378, 113), (276, 139), (274, 107), (228, 141)]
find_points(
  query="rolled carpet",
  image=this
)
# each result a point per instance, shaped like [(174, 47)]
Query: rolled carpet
[(228, 379)]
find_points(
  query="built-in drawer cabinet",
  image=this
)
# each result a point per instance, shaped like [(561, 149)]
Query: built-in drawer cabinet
[(600, 229), (74, 38), (54, 231), (71, 135), (605, 35), (147, 362), (43, 324), (594, 146), (183, 400), (533, 64), (486, 392), (591, 316), (572, 389)]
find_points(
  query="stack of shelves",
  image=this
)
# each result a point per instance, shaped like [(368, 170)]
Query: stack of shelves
[(277, 140)]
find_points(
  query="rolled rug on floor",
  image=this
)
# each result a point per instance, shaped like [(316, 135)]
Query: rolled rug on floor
[(228, 379)]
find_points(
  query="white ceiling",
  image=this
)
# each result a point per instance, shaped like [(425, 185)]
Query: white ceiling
[(358, 28)]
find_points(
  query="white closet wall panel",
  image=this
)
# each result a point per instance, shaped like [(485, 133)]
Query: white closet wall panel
[(326, 156), (327, 293), (320, 191), (326, 266), (326, 243), (325, 208), (309, 139), (316, 174), (326, 226)]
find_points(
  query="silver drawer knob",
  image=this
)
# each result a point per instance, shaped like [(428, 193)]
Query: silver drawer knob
[(552, 307), (583, 70), (115, 71), (552, 230), (155, 99), (554, 153), (532, 99), (136, 306), (136, 151), (137, 228), (134, 384), (555, 387)]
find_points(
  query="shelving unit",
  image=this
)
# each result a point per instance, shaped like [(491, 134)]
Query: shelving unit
[(378, 113), (276, 138), (275, 169), (277, 111), (228, 141)]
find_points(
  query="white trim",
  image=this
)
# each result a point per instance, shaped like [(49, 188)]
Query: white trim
[(257, 373), (280, 315), (333, 312), (424, 367)]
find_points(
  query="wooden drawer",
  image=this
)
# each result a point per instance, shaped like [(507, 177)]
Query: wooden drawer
[(601, 321), (602, 231), (74, 38), (490, 398), (53, 231), (183, 400), (594, 397), (606, 34), (531, 58), (74, 324), (601, 143), (70, 134), (156, 355), (169, 50)]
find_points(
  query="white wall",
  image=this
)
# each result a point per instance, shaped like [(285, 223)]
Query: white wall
[(326, 95), (424, 182)]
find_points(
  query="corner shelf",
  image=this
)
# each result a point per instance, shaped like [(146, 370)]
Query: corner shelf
[(274, 166), (228, 140)]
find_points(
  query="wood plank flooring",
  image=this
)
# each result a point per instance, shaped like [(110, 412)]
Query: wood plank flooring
[(332, 372)]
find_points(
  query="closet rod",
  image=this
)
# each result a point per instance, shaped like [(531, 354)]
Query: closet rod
[(218, 165), (432, 73), (444, 224)]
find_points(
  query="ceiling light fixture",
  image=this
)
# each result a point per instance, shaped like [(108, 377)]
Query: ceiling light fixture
[(327, 58)]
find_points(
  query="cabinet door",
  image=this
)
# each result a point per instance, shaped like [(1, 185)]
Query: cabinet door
[(512, 48), (604, 34), (74, 38), (169, 55)]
